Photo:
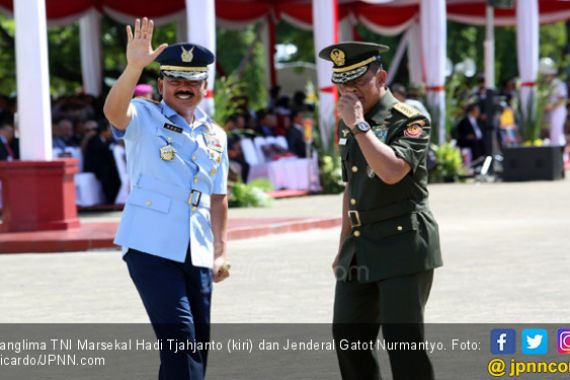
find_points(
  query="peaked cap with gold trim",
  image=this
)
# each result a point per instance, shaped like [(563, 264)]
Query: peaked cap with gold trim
[(351, 59), (185, 61)]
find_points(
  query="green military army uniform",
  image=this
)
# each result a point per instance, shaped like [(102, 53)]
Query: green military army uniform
[(385, 267), (394, 233)]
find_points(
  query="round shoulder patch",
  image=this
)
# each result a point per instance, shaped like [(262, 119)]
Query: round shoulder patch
[(413, 131)]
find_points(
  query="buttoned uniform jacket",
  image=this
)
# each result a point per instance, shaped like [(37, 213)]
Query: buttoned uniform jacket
[(168, 207), (393, 231)]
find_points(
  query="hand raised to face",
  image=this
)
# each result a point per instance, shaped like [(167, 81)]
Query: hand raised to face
[(351, 109)]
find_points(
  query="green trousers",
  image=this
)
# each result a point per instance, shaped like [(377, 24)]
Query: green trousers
[(395, 304)]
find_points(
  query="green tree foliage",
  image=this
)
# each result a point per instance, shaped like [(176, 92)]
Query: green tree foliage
[(241, 52), (554, 44), (286, 33), (466, 41), (241, 55), (7, 61), (65, 60)]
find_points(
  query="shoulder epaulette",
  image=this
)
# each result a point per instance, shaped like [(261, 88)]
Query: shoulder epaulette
[(214, 128), (406, 110)]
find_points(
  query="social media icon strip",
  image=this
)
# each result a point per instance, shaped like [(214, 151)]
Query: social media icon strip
[(503, 341), (534, 341), (563, 341)]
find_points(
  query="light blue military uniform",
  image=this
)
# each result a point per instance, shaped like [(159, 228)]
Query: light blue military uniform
[(169, 204)]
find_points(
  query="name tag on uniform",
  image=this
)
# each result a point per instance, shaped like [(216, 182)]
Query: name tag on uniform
[(342, 141), (172, 128)]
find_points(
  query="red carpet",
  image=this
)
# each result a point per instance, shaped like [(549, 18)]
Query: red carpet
[(278, 194), (100, 235)]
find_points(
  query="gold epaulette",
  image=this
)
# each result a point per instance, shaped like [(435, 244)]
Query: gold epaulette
[(406, 110)]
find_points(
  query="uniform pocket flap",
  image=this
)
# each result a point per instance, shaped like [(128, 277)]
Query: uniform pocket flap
[(395, 226), (149, 199)]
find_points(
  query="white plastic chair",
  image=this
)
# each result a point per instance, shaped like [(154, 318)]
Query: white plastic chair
[(88, 190), (249, 152), (259, 142), (271, 140), (282, 142), (257, 169)]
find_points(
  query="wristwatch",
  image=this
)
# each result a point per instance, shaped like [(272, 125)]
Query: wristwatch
[(360, 127)]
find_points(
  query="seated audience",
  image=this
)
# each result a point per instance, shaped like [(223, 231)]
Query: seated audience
[(9, 147), (99, 160), (295, 135), (266, 123), (62, 134), (83, 132), (469, 134)]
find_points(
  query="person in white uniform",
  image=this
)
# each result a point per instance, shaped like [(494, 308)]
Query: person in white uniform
[(555, 108)]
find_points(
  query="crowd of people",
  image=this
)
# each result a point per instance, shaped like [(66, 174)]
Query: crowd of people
[(283, 116), (80, 130), (489, 124)]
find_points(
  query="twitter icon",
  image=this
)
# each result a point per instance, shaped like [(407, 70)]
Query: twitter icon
[(534, 341)]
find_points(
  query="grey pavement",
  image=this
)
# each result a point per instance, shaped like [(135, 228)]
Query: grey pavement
[(506, 252)]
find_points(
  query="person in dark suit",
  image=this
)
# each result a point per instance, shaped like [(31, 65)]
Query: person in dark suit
[(267, 121), (469, 133), (99, 160), (295, 135), (8, 143)]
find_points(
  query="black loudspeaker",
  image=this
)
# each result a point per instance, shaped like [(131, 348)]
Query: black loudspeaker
[(533, 163)]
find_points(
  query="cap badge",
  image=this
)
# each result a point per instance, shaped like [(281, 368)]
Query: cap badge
[(338, 57), (187, 55)]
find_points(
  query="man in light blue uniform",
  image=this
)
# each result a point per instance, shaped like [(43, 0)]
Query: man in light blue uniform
[(173, 228)]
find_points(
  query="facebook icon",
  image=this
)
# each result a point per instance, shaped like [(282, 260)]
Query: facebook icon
[(503, 341)]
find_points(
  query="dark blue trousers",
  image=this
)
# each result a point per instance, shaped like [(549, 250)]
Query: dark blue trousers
[(177, 298)]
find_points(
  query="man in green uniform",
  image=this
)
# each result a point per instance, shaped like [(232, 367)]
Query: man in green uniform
[(389, 243)]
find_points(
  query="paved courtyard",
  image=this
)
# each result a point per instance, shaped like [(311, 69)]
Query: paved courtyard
[(506, 252)]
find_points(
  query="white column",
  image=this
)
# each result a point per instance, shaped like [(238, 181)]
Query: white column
[(90, 47), (201, 22), (346, 29), (489, 46), (434, 32), (527, 51), (325, 25), (34, 112), (415, 62)]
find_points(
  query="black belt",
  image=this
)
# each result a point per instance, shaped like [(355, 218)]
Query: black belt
[(360, 218)]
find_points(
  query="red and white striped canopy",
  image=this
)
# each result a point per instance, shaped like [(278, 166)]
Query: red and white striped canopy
[(389, 15)]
